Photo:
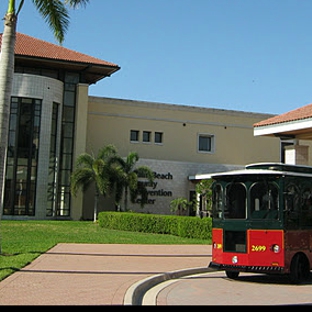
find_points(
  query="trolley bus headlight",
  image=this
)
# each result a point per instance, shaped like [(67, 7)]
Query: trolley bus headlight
[(275, 248)]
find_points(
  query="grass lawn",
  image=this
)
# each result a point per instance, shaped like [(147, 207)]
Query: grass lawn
[(23, 241)]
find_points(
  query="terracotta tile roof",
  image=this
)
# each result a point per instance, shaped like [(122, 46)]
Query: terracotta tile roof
[(303, 112), (30, 46)]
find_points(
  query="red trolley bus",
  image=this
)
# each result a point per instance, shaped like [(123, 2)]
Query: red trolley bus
[(262, 220)]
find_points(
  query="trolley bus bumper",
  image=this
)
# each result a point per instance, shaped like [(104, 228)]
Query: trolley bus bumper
[(243, 268)]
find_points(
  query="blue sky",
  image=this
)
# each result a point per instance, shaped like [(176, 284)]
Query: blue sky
[(246, 55)]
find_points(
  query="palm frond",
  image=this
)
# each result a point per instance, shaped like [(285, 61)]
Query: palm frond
[(131, 160), (132, 180), (56, 16), (84, 160), (80, 179), (145, 172), (76, 3), (107, 152), (102, 185)]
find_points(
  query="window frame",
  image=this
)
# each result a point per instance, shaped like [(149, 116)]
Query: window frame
[(149, 136), (161, 134), (212, 143), (137, 134)]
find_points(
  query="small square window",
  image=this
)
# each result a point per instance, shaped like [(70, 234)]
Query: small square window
[(146, 136), (205, 143), (134, 136), (158, 137)]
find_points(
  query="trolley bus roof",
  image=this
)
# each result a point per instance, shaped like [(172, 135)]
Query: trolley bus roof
[(277, 169), (249, 172)]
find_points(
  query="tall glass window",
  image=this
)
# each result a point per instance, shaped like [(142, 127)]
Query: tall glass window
[(22, 158), (53, 164), (67, 144)]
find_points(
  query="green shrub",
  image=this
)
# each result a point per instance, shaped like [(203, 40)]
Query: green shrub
[(183, 226)]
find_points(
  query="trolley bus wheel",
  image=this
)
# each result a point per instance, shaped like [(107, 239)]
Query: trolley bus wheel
[(232, 274), (299, 269)]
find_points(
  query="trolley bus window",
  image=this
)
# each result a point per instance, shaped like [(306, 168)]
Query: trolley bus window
[(217, 202), (291, 216), (264, 201), (306, 207), (235, 207)]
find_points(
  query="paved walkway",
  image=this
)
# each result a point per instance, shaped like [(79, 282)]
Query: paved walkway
[(96, 274), (113, 274), (214, 288)]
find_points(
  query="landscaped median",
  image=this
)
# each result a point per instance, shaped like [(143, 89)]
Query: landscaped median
[(183, 226)]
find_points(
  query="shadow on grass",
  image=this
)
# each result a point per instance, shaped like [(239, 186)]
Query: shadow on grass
[(10, 268), (4, 254)]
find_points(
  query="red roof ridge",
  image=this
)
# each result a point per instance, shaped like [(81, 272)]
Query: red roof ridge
[(300, 113), (30, 46)]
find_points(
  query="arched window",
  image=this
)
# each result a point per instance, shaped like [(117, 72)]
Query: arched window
[(264, 200), (217, 201), (235, 203)]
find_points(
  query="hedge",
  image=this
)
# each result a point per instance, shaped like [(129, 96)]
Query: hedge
[(183, 226)]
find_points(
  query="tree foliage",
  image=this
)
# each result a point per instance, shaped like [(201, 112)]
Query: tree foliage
[(112, 175), (130, 181), (97, 171), (180, 205), (203, 188)]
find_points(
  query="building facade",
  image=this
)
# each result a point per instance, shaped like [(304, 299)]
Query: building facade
[(53, 120), (50, 92), (176, 142)]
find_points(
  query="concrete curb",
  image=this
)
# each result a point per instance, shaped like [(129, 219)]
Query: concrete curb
[(135, 293)]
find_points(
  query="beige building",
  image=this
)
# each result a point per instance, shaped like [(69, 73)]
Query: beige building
[(53, 120), (177, 142)]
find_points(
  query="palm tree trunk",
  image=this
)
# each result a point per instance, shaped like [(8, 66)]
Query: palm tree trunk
[(6, 83), (126, 199), (96, 201)]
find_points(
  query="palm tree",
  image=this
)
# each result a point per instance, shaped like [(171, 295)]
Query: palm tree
[(128, 180), (55, 13), (95, 170), (180, 204), (204, 189)]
